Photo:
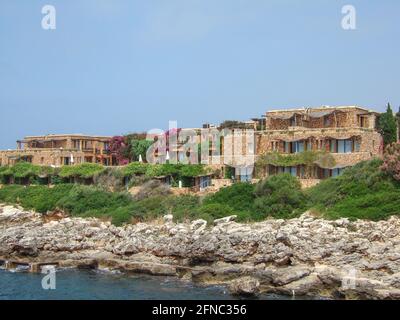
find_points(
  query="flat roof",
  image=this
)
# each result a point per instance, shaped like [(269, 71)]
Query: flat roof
[(322, 108), (74, 135)]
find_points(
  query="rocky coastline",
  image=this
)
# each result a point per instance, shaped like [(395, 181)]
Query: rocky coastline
[(304, 256)]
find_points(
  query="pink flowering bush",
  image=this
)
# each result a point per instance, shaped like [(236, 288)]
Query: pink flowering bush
[(119, 148), (391, 161)]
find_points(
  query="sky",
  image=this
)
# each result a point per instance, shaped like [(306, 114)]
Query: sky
[(113, 67)]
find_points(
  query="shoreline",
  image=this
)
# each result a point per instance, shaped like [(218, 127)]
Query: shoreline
[(305, 256)]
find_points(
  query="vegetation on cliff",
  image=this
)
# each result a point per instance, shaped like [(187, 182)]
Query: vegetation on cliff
[(369, 190)]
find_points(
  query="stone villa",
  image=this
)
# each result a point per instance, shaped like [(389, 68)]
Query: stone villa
[(59, 150), (347, 133)]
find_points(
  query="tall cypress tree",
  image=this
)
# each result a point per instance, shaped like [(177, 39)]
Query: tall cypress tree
[(388, 126)]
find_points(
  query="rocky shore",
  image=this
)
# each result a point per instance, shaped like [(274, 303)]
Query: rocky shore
[(304, 256)]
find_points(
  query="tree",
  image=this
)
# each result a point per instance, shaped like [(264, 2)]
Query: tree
[(139, 148), (233, 124), (387, 126), (391, 161)]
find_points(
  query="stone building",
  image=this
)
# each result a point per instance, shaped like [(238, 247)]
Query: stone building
[(58, 150), (347, 133)]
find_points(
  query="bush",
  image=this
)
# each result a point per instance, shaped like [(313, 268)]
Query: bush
[(373, 206), (38, 198), (391, 161), (239, 196), (279, 196), (135, 168), (110, 180), (84, 171), (361, 179), (359, 192)]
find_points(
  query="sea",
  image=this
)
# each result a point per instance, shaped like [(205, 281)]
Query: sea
[(73, 284)]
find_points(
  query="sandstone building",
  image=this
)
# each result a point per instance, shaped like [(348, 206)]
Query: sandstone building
[(58, 150), (347, 133)]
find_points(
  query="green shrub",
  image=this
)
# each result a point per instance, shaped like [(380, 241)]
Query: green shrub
[(134, 168), (361, 179), (84, 170), (373, 206), (279, 196), (38, 198), (239, 196), (359, 192), (83, 198)]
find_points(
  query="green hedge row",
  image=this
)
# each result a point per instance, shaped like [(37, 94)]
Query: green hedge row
[(363, 192), (24, 170)]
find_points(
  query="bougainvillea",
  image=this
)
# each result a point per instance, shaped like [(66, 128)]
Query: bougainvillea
[(391, 160), (119, 148)]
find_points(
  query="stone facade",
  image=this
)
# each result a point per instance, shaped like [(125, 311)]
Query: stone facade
[(58, 150), (349, 134)]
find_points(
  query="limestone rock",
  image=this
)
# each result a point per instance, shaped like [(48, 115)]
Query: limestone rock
[(246, 286)]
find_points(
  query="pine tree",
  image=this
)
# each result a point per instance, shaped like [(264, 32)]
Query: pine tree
[(388, 126)]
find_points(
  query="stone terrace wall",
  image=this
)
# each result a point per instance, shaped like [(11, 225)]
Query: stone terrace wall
[(39, 157)]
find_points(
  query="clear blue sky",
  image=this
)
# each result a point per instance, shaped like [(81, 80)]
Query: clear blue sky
[(117, 66)]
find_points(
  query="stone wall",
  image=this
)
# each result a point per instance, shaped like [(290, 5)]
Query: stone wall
[(45, 157), (370, 142), (340, 118)]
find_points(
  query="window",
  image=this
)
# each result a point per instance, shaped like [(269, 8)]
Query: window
[(363, 121), (337, 172), (205, 182), (77, 144), (287, 147), (327, 121), (291, 170), (298, 146), (341, 145), (333, 146)]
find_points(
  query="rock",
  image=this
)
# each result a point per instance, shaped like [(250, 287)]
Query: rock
[(343, 222), (305, 255), (198, 225), (168, 218), (25, 249), (309, 285), (284, 276), (225, 220), (246, 286)]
